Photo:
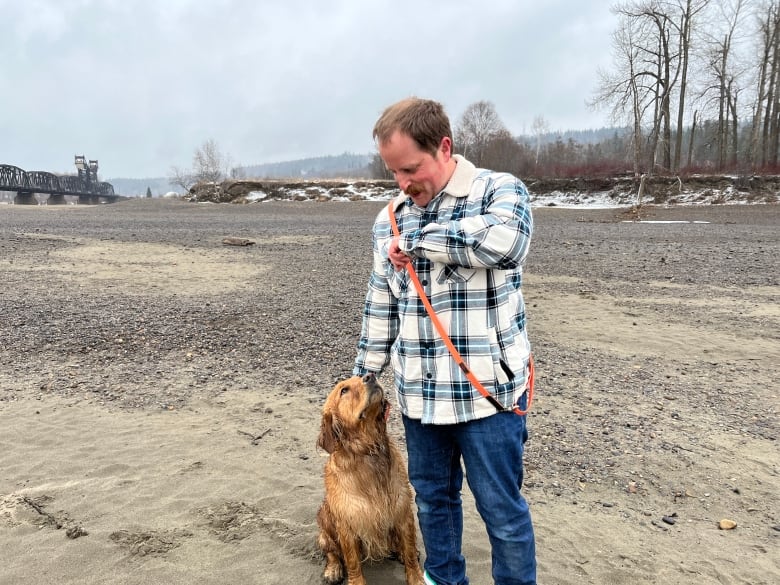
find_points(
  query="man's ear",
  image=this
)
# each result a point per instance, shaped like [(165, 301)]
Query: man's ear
[(329, 436), (445, 148)]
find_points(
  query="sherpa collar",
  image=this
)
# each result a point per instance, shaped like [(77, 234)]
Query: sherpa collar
[(460, 182)]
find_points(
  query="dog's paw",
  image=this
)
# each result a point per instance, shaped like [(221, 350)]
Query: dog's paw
[(333, 574)]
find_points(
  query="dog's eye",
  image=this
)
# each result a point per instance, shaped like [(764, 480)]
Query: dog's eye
[(344, 390)]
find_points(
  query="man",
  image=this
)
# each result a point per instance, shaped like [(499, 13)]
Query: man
[(466, 232)]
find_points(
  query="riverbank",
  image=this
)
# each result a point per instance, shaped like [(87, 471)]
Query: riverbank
[(160, 395)]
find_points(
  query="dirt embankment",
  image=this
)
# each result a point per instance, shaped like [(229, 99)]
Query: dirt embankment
[(621, 190)]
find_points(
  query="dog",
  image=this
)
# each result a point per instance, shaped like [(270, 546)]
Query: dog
[(367, 510)]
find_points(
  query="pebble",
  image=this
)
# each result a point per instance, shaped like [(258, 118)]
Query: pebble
[(75, 532)]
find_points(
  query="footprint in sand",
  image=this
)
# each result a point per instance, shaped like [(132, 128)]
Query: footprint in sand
[(16, 510), (235, 521), (150, 542)]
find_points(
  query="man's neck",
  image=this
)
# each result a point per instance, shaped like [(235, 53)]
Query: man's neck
[(451, 165)]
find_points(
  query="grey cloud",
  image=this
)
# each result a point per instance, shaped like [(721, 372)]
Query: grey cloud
[(139, 85)]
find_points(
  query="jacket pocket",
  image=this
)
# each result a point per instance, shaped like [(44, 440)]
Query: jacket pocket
[(455, 274), (397, 280)]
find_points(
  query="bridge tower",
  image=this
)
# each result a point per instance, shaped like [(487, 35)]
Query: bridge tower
[(87, 172)]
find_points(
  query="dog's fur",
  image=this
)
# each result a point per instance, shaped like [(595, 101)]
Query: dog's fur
[(367, 512)]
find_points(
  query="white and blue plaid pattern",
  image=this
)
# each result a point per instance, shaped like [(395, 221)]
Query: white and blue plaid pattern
[(467, 246)]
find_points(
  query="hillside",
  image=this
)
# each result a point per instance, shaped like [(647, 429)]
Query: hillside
[(346, 165), (137, 187)]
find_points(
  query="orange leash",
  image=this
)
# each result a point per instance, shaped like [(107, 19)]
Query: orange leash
[(446, 338)]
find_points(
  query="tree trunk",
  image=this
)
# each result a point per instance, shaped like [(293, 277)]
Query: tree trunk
[(691, 141)]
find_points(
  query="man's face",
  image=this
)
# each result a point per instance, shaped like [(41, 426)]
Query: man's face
[(419, 174)]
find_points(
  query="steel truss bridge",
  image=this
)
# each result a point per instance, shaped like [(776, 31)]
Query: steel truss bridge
[(84, 185)]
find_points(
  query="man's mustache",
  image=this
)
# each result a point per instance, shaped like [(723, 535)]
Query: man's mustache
[(413, 190)]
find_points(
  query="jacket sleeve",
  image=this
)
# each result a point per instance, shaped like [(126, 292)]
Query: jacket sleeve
[(380, 318), (495, 234)]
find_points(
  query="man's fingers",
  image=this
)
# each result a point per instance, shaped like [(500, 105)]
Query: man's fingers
[(399, 260)]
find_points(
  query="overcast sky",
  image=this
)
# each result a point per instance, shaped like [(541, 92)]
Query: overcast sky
[(140, 84)]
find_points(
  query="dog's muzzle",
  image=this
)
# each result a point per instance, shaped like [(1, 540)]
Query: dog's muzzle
[(371, 382), (375, 390)]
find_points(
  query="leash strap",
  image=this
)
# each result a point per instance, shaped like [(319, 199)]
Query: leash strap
[(448, 342)]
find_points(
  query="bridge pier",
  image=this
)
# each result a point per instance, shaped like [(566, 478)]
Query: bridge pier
[(57, 199), (88, 200), (25, 198)]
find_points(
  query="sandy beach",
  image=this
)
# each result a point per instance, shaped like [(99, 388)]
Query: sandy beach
[(160, 392)]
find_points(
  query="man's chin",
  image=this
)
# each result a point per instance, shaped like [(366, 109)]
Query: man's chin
[(421, 199)]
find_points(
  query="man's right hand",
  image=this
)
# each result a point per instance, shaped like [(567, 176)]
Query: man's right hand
[(398, 258)]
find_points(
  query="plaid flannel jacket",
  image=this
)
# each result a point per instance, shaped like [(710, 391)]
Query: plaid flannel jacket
[(467, 246)]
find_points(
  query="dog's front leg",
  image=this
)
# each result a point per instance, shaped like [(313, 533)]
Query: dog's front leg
[(350, 549), (327, 539), (407, 548)]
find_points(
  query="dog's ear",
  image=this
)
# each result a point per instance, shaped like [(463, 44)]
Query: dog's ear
[(328, 438)]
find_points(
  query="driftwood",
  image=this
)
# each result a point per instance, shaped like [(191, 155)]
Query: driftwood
[(232, 241)]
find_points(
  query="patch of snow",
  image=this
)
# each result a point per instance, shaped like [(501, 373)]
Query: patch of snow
[(662, 221), (597, 200)]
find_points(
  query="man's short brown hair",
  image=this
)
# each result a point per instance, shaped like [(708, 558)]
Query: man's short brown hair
[(424, 121)]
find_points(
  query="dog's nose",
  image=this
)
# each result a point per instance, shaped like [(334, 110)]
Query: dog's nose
[(370, 377)]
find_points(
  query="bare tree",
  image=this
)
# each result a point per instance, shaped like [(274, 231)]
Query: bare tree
[(621, 90), (181, 178), (659, 71), (688, 11), (694, 123), (763, 146), (772, 118), (539, 127), (723, 72), (476, 127), (653, 46), (209, 165)]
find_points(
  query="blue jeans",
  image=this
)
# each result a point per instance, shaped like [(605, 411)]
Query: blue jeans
[(492, 452)]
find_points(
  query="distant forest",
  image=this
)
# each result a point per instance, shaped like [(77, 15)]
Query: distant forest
[(598, 150), (577, 153)]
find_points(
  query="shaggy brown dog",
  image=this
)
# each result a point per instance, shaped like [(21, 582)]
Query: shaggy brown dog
[(367, 512)]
